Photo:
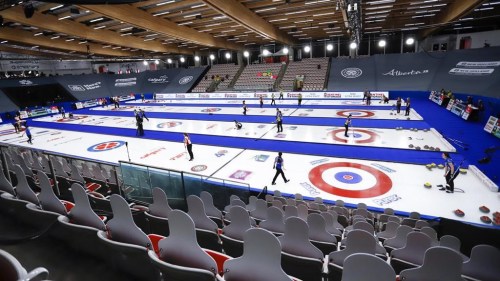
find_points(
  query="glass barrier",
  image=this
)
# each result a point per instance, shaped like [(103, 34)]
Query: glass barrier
[(131, 180), (139, 180)]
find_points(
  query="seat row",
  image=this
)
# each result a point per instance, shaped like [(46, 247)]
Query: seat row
[(231, 235)]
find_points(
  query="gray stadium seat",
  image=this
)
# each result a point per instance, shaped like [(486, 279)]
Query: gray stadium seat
[(232, 237), (412, 254), (300, 258), (371, 267), (439, 264), (5, 184), (389, 232), (210, 209), (261, 259), (319, 236), (275, 221), (23, 190), (180, 257), (127, 244), (160, 206), (358, 241), (398, 241), (484, 264), (206, 229), (12, 270)]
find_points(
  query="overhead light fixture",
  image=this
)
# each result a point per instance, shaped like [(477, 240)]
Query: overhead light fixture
[(161, 13), (169, 60), (38, 34), (165, 3), (285, 51), (329, 47), (196, 58), (56, 7), (182, 59), (246, 54), (4, 41), (410, 41), (157, 62), (65, 17), (265, 52), (145, 62), (97, 19), (382, 43), (212, 57), (307, 49), (228, 55), (353, 45)]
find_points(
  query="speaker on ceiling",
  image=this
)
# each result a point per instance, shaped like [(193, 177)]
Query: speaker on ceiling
[(29, 10)]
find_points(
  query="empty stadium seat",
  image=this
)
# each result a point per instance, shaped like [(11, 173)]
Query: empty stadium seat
[(371, 266), (483, 264), (12, 270), (439, 264), (300, 258), (261, 259), (180, 257)]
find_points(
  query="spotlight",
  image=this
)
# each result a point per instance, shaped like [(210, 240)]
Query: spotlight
[(246, 54), (29, 10), (285, 51), (196, 58), (307, 49), (145, 62), (169, 60), (182, 59), (157, 62), (329, 47), (382, 43), (265, 52), (228, 55), (410, 41), (353, 45), (212, 57)]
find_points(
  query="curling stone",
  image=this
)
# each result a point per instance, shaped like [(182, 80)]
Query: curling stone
[(410, 146), (463, 171), (426, 146), (408, 118), (437, 149), (459, 213), (441, 166), (417, 147), (427, 185), (484, 209)]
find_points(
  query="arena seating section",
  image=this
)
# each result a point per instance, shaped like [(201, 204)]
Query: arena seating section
[(314, 76), (251, 78), (225, 71), (295, 237)]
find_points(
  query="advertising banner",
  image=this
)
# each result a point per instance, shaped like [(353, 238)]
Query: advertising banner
[(490, 125)]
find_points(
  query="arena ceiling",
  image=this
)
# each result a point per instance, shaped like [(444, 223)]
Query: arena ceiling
[(158, 28)]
